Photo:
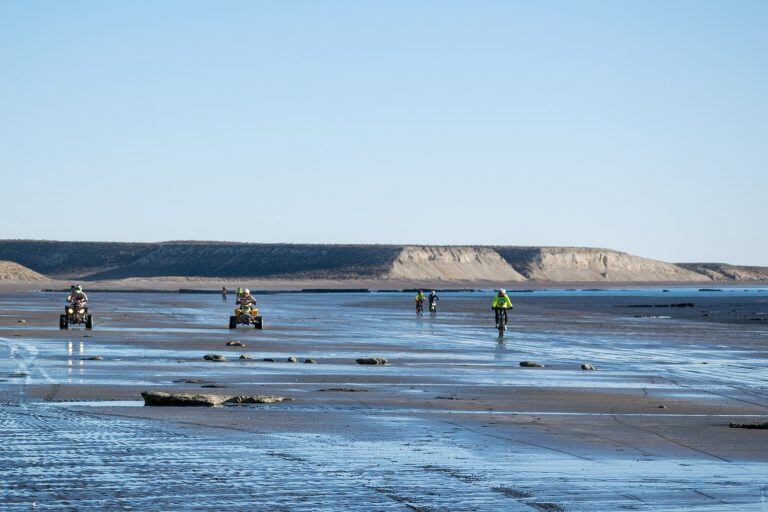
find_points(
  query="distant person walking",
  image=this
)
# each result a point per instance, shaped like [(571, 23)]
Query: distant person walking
[(224, 293)]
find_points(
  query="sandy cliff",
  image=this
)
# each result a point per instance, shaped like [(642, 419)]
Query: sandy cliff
[(563, 264), (13, 271), (725, 272), (429, 263), (392, 263)]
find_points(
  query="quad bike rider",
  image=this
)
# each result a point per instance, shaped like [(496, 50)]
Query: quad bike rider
[(501, 304), (432, 299), (420, 303), (76, 309), (246, 312)]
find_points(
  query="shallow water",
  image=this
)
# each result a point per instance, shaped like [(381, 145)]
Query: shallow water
[(84, 457)]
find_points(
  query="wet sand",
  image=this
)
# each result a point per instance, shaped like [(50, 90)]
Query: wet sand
[(452, 423)]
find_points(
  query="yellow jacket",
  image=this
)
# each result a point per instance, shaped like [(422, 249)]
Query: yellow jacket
[(502, 302)]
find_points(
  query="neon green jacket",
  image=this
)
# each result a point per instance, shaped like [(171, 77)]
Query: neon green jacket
[(502, 302), (420, 297)]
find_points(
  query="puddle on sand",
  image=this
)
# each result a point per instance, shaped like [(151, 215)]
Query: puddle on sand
[(101, 403)]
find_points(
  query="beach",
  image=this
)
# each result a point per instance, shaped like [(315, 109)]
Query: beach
[(451, 422)]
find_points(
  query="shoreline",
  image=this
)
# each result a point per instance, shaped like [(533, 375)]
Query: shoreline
[(213, 285)]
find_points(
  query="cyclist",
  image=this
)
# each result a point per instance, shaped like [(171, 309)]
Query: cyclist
[(420, 302), (501, 304), (432, 299)]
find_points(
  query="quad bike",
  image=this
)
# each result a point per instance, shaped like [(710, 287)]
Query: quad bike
[(76, 314), (245, 314)]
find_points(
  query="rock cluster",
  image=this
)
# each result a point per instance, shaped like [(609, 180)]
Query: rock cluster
[(372, 360), (763, 425), (215, 357), (163, 399)]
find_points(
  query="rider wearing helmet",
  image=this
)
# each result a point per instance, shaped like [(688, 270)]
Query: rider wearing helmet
[(433, 298), (501, 304), (420, 301), (76, 295), (245, 298)]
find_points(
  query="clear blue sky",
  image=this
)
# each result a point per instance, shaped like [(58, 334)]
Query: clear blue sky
[(640, 126)]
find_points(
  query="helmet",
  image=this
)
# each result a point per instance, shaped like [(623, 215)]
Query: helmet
[(502, 291), (433, 292), (246, 292), (78, 288)]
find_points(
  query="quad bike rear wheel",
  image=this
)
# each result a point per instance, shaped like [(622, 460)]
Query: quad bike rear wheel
[(232, 322), (63, 322), (89, 322), (258, 323)]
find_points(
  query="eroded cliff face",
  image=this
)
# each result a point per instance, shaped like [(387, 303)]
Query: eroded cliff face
[(722, 272), (564, 264), (13, 271), (450, 263), (28, 259)]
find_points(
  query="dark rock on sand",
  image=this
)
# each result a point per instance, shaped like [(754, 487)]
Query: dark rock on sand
[(22, 321), (235, 343), (372, 360), (161, 398), (531, 364), (292, 360), (246, 356), (18, 375), (94, 358), (310, 361), (662, 406), (215, 357), (214, 386), (762, 426), (588, 367), (269, 360)]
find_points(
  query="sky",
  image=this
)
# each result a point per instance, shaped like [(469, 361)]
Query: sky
[(640, 126)]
